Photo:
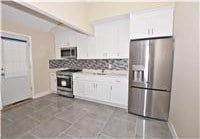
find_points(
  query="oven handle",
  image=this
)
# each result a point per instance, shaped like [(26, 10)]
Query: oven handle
[(63, 76)]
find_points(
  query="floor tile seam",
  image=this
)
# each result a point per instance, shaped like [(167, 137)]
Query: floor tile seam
[(46, 122), (72, 124), (101, 130), (26, 133)]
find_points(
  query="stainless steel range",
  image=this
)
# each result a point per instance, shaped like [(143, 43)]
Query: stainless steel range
[(65, 82)]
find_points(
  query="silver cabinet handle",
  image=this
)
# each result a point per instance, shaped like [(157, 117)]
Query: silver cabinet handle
[(96, 85), (148, 31), (110, 87)]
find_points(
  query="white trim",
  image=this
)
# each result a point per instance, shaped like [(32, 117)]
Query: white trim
[(172, 130), (103, 102), (28, 39), (41, 94)]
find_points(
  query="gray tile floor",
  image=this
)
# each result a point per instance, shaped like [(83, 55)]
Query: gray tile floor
[(57, 117)]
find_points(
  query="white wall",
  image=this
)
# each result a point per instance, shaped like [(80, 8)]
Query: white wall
[(100, 10), (184, 111), (72, 14)]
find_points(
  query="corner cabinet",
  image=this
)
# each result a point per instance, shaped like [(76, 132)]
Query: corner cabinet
[(109, 90), (152, 23)]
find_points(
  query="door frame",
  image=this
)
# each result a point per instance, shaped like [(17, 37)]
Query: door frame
[(29, 41)]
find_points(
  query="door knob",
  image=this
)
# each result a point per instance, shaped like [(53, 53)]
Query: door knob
[(2, 74)]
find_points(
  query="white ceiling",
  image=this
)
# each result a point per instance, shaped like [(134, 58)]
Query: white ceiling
[(11, 14)]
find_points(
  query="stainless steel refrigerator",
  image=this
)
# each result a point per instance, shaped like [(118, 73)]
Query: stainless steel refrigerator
[(150, 76)]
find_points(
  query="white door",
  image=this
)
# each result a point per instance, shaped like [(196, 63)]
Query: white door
[(16, 85)]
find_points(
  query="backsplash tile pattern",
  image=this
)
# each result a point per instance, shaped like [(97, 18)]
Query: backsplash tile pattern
[(115, 64)]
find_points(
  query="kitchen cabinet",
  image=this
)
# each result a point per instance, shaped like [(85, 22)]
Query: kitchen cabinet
[(105, 38), (102, 89), (112, 38), (79, 88), (65, 38), (152, 23), (123, 38), (91, 51), (86, 48), (118, 93), (82, 46), (53, 82)]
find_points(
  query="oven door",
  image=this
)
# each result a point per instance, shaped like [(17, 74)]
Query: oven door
[(64, 82)]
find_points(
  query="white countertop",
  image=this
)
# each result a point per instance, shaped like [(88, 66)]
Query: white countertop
[(107, 73)]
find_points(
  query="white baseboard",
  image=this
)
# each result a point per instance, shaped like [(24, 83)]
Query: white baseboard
[(41, 94), (173, 131)]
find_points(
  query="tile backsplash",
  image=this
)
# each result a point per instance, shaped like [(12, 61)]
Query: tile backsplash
[(107, 64)]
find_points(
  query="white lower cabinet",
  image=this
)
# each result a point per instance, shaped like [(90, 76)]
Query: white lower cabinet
[(53, 82), (79, 88), (109, 90), (102, 91), (119, 92)]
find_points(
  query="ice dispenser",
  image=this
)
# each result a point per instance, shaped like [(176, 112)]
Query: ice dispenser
[(138, 73)]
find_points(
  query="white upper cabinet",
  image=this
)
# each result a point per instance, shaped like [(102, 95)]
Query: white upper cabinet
[(82, 46), (91, 54), (65, 38), (112, 38), (123, 37), (152, 23)]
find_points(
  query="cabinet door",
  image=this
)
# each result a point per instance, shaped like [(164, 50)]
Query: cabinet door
[(104, 34), (53, 82), (82, 46), (161, 23), (79, 87), (123, 37), (90, 89), (91, 51), (102, 91), (119, 92), (139, 26)]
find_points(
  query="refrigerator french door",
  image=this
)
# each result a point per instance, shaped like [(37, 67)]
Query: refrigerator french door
[(150, 75)]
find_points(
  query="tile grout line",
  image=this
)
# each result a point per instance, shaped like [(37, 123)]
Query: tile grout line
[(105, 124), (70, 125)]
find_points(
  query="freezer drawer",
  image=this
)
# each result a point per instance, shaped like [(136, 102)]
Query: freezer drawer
[(149, 103)]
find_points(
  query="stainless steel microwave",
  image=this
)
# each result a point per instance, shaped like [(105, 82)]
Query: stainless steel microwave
[(68, 52)]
